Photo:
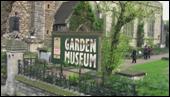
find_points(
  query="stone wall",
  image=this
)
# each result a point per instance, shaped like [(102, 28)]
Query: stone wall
[(157, 29), (50, 9), (24, 12), (32, 87), (26, 90), (34, 46), (6, 7), (35, 15), (39, 19), (157, 25)]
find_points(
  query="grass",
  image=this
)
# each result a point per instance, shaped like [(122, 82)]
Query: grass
[(46, 87), (156, 82)]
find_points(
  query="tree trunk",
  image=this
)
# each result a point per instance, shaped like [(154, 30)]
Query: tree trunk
[(114, 44)]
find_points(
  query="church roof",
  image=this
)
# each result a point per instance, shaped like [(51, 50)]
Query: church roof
[(64, 12)]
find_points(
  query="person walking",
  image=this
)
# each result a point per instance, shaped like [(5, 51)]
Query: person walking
[(149, 52), (133, 55), (145, 52)]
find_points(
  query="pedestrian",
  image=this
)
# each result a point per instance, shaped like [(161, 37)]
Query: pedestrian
[(133, 55), (149, 52), (145, 52)]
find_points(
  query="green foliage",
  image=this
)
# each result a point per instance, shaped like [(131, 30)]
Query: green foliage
[(120, 85), (156, 81), (158, 50), (125, 13), (4, 71), (49, 79), (83, 14), (3, 64), (66, 64), (37, 70), (74, 79), (149, 41), (3, 57), (30, 55), (113, 59), (118, 78)]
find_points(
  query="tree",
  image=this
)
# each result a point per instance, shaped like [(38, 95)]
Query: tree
[(84, 18), (125, 12)]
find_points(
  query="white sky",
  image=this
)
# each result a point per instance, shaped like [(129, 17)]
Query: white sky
[(165, 10)]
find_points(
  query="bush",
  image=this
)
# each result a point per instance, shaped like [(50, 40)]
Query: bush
[(30, 55), (3, 57), (157, 50), (83, 14), (152, 89), (74, 79), (121, 85), (112, 58), (3, 65), (49, 79)]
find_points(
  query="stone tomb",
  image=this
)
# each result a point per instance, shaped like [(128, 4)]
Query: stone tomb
[(132, 74)]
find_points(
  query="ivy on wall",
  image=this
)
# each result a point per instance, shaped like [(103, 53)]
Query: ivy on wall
[(84, 16)]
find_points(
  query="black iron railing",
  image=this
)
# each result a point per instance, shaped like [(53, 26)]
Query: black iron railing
[(81, 84)]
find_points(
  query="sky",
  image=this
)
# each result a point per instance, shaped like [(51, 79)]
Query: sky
[(165, 10)]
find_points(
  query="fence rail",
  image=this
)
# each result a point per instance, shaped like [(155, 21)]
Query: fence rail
[(83, 85)]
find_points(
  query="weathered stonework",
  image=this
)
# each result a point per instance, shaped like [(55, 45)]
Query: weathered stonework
[(157, 26), (39, 15), (35, 16), (26, 90), (39, 19), (12, 70), (49, 16), (157, 29), (24, 12)]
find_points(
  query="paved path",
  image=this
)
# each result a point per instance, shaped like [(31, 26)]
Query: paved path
[(127, 63)]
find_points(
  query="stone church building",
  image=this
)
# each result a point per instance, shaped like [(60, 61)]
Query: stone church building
[(38, 17)]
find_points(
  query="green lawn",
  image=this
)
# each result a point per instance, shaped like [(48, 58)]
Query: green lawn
[(156, 82)]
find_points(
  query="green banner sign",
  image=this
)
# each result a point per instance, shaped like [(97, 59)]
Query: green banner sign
[(76, 49)]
